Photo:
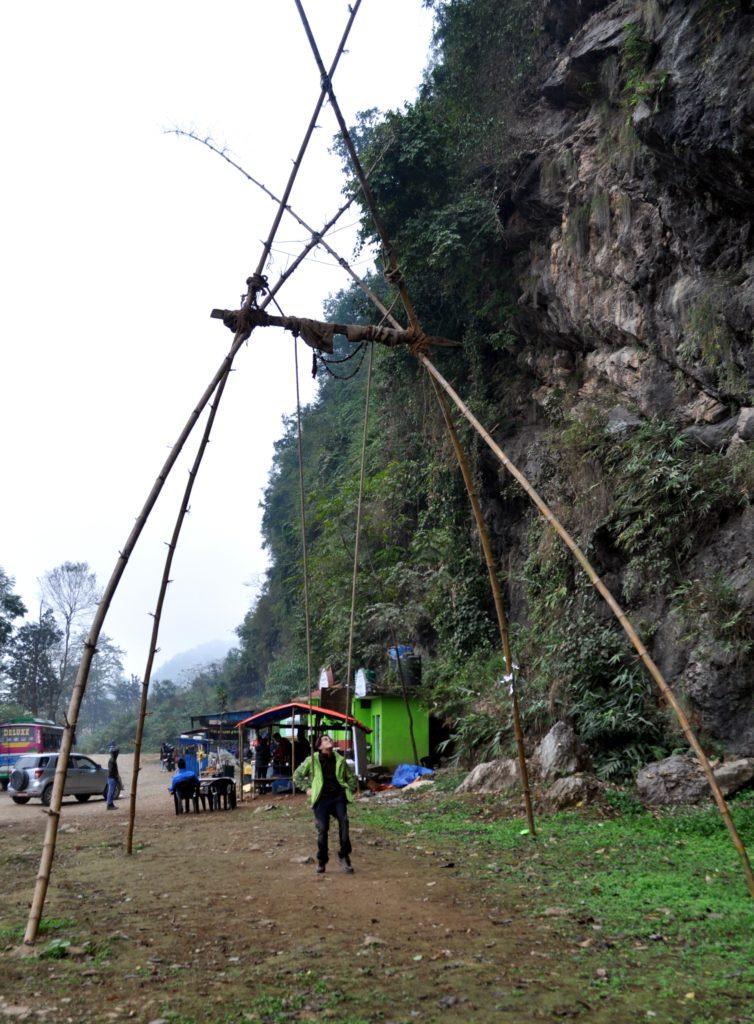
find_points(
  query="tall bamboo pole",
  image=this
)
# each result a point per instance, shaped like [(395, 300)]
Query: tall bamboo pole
[(502, 619), (90, 645), (616, 609)]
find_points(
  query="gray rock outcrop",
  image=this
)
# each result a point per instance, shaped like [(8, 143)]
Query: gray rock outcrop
[(559, 753), (572, 790), (491, 777), (680, 780)]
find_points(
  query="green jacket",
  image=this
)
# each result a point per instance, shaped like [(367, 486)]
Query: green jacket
[(311, 769)]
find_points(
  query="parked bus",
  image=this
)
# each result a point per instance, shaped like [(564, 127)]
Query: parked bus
[(26, 736)]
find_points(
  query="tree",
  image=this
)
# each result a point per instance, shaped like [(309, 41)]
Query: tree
[(35, 682), (106, 682), (11, 607), (70, 590)]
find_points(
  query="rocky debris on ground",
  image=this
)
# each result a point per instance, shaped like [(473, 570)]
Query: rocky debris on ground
[(302, 860), (559, 753), (680, 780), (491, 777), (572, 790)]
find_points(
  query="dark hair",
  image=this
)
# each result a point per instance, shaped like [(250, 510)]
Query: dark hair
[(181, 762), (320, 738)]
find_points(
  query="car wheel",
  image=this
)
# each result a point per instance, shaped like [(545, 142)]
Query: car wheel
[(3, 784), (20, 799), (82, 797), (19, 779), (47, 795), (118, 791)]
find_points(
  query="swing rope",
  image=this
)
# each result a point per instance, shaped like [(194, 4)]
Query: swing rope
[(359, 504), (302, 510)]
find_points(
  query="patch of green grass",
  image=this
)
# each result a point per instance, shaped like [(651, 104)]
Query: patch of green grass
[(15, 932), (57, 949), (665, 890)]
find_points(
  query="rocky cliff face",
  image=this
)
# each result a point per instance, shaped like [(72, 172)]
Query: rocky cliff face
[(628, 223)]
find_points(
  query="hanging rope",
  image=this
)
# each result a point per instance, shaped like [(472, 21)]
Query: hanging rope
[(359, 504), (303, 522)]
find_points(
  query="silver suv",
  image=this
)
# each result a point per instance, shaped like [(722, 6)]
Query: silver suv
[(33, 775)]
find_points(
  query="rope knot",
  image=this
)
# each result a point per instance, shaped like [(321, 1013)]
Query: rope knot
[(394, 276), (257, 283)]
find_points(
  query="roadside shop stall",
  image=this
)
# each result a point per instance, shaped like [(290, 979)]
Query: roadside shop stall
[(299, 725)]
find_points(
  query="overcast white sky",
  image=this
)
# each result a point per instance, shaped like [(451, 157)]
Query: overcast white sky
[(118, 240)]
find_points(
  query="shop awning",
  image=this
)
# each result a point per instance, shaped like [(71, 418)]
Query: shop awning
[(278, 714)]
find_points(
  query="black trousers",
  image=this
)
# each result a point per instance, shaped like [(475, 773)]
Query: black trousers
[(324, 809)]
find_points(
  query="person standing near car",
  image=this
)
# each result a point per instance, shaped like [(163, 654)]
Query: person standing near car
[(113, 778), (332, 787)]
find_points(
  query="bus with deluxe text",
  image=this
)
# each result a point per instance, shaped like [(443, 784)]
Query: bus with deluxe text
[(26, 736)]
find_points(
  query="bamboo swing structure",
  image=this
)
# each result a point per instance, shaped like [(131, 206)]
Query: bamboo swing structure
[(243, 322)]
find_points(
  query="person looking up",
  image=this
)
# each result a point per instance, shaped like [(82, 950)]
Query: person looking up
[(332, 785)]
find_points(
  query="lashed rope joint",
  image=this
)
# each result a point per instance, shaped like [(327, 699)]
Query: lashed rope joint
[(257, 283)]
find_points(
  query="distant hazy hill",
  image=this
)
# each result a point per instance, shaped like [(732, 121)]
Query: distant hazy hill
[(182, 668)]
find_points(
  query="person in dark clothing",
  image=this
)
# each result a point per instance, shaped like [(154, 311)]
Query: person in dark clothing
[(113, 778), (261, 748), (281, 754), (331, 789)]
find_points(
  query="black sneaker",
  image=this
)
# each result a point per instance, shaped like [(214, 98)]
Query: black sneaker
[(320, 869), (345, 865)]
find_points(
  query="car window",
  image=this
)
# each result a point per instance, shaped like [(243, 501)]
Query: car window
[(31, 761), (85, 763)]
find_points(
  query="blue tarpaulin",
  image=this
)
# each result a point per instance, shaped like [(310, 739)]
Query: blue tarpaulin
[(407, 773)]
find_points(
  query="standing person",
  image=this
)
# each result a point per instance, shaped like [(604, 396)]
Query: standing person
[(281, 754), (261, 759), (113, 778), (332, 787)]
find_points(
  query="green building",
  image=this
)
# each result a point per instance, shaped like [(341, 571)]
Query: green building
[(390, 739)]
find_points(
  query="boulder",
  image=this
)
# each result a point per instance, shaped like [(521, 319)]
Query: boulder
[(745, 424), (559, 753), (572, 790), (712, 436), (491, 777), (621, 422), (680, 780)]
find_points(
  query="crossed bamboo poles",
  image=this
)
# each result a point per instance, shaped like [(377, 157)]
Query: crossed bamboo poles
[(418, 343)]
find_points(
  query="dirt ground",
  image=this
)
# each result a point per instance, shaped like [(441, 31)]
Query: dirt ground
[(220, 917)]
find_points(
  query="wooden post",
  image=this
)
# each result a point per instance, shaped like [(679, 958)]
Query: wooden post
[(406, 701), (240, 759), (502, 619)]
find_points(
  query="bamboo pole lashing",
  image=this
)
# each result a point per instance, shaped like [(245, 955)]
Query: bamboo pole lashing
[(90, 644)]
